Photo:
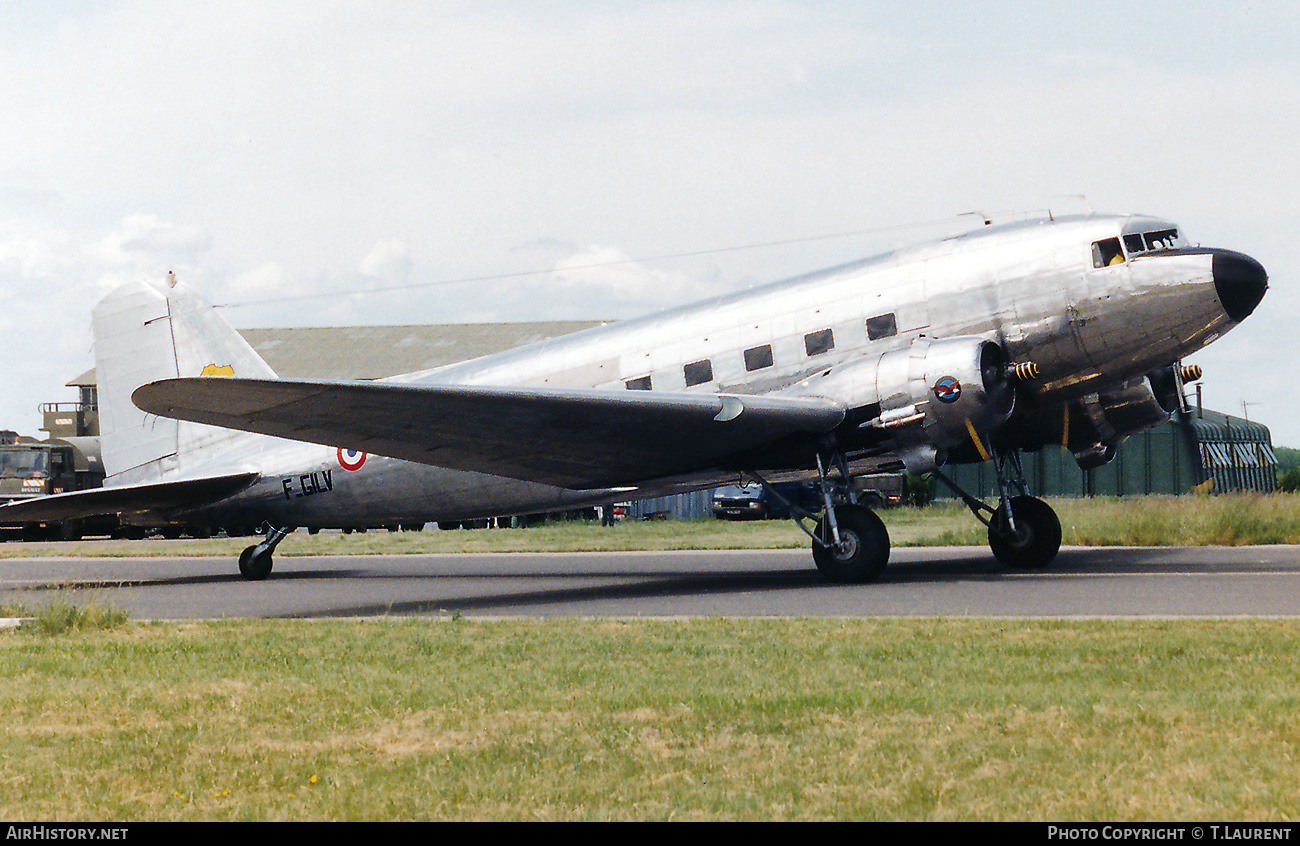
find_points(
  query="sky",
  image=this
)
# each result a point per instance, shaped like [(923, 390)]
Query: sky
[(343, 163)]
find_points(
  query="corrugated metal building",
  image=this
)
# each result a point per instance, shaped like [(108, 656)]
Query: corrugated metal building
[(1202, 450)]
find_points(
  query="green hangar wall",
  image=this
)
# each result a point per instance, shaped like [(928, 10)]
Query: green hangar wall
[(1197, 451)]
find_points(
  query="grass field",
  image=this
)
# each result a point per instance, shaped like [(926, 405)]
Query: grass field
[(767, 719), (706, 720), (1229, 520)]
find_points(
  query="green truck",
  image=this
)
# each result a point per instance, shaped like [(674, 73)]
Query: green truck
[(30, 468), (69, 460)]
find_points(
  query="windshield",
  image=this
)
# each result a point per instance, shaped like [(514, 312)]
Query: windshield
[(1158, 239), (26, 463), (739, 490)]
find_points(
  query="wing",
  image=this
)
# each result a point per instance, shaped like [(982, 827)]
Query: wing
[(570, 438), (126, 499)]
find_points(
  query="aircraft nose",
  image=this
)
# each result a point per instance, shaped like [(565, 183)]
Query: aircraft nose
[(1240, 282)]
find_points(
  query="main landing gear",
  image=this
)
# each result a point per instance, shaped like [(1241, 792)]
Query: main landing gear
[(255, 562), (850, 544), (1024, 531)]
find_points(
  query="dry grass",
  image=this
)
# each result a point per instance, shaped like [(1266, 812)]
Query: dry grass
[(709, 720)]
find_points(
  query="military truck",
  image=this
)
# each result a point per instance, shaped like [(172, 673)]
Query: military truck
[(30, 468), (68, 460)]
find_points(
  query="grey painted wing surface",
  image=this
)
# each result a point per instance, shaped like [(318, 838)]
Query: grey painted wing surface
[(127, 499), (571, 438)]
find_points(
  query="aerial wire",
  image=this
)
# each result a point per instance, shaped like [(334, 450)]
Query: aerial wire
[(465, 280)]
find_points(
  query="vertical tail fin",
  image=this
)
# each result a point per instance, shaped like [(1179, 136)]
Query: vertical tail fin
[(144, 332)]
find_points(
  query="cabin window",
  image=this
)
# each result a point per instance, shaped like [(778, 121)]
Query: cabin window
[(1133, 243), (758, 358), (884, 326), (1107, 253), (816, 343), (642, 384), (698, 372)]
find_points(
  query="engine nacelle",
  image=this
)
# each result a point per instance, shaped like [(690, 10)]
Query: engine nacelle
[(1111, 417), (925, 398)]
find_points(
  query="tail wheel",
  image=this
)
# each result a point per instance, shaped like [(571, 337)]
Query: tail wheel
[(253, 565), (863, 550), (1037, 537)]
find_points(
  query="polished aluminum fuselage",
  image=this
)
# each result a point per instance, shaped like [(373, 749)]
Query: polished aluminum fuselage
[(1031, 287)]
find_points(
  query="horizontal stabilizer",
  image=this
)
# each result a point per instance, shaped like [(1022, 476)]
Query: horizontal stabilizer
[(574, 438), (125, 499)]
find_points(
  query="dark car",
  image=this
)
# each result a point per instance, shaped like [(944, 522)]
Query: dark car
[(741, 502)]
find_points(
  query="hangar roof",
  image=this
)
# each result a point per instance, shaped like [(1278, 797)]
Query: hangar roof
[(372, 352)]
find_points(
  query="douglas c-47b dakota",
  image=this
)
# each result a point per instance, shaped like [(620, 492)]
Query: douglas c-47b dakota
[(1066, 331)]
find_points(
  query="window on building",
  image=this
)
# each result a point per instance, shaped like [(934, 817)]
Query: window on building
[(642, 384), (758, 358), (698, 372), (816, 343), (884, 326)]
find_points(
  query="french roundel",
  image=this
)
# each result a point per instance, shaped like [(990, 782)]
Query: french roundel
[(351, 459)]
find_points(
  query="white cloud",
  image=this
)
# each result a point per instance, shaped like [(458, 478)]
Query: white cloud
[(389, 259), (259, 148), (145, 246)]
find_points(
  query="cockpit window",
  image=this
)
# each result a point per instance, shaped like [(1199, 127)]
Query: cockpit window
[(1160, 239), (1107, 253), (1165, 239)]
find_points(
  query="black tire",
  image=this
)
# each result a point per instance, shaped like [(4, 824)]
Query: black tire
[(253, 566), (1037, 538), (864, 548)]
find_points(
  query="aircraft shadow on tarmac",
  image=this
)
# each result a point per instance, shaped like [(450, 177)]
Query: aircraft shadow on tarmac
[(616, 584), (979, 565)]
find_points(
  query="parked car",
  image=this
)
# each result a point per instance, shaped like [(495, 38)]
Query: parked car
[(753, 502)]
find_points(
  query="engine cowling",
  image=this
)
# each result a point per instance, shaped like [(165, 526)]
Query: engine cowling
[(1112, 416), (923, 399)]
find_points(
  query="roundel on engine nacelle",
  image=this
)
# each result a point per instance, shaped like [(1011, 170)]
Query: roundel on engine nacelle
[(947, 389), (937, 391)]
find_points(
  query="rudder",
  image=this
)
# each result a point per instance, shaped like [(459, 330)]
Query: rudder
[(146, 331)]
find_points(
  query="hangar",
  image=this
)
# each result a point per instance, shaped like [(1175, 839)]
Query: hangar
[(1199, 450)]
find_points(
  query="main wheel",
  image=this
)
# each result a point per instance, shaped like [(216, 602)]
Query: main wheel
[(253, 565), (863, 551), (1037, 537)]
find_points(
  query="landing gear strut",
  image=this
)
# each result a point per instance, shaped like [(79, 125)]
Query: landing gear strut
[(850, 543), (1024, 531), (255, 562)]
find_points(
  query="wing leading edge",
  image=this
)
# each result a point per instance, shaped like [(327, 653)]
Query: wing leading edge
[(127, 499), (569, 438)]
